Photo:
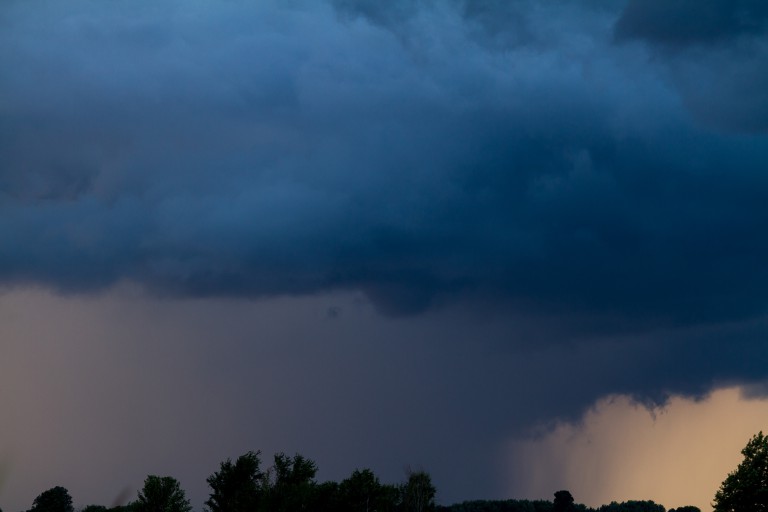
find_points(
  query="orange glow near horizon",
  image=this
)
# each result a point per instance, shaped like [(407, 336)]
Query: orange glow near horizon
[(675, 455)]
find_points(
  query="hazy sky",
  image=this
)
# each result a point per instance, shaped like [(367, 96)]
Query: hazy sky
[(380, 234), (619, 450)]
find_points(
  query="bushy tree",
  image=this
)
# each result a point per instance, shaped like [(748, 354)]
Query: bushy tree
[(162, 494), (563, 502), (498, 506), (56, 499), (746, 487), (362, 492), (94, 508), (687, 508), (128, 507), (326, 498), (633, 506), (418, 493), (294, 483), (236, 487)]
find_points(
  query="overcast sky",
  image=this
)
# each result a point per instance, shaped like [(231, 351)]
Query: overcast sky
[(378, 233)]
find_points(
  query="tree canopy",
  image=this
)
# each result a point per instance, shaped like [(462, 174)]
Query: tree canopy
[(162, 494), (289, 485), (746, 487), (236, 487), (362, 492), (418, 493), (56, 499), (293, 485), (563, 502), (632, 506)]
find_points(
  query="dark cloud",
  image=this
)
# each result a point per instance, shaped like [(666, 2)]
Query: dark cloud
[(713, 52), (492, 23), (690, 22), (229, 156), (563, 213), (386, 14)]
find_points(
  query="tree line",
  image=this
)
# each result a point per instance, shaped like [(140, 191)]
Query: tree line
[(289, 485), (563, 502)]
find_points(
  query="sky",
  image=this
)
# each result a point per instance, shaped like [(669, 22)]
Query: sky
[(491, 239)]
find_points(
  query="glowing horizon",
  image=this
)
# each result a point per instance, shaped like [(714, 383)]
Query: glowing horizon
[(620, 450)]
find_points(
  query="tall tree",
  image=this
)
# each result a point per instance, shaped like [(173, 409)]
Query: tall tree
[(746, 487), (362, 492), (56, 499), (162, 494), (563, 502), (294, 483), (418, 493), (326, 498), (236, 487)]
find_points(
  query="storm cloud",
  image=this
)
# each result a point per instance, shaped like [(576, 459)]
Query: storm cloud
[(686, 23), (258, 150), (577, 186), (713, 52)]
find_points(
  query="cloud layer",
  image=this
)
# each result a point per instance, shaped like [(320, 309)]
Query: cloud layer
[(414, 151), (565, 194)]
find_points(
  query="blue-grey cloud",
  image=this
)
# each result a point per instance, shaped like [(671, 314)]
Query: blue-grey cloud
[(713, 51), (515, 156), (687, 22)]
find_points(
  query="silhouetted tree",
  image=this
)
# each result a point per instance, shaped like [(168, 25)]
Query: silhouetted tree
[(326, 498), (56, 499), (390, 498), (294, 483), (746, 487), (236, 487), (500, 506), (418, 493), (687, 508), (563, 502), (94, 508), (359, 491), (162, 494), (128, 507), (362, 492), (632, 506)]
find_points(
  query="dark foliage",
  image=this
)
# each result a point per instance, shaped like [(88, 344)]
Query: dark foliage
[(94, 508), (563, 502), (293, 485), (56, 499), (289, 486), (499, 506), (746, 487), (237, 487), (418, 493), (362, 492), (632, 506), (162, 494)]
